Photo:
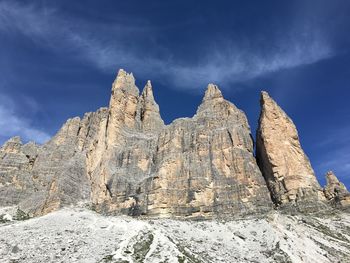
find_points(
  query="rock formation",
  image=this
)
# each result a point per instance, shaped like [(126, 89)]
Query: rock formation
[(127, 161), (148, 111), (124, 159), (40, 179), (286, 168), (15, 179), (198, 167), (336, 192)]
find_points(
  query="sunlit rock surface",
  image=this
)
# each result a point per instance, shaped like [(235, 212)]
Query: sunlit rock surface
[(285, 166), (125, 160)]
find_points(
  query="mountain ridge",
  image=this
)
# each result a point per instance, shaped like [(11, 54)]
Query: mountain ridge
[(124, 159)]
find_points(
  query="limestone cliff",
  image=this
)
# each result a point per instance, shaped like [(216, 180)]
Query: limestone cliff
[(195, 167), (41, 179), (285, 166), (124, 159)]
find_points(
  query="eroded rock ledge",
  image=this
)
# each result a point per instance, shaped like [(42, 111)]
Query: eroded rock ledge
[(124, 159)]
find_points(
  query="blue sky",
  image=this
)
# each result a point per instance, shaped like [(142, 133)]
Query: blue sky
[(59, 58)]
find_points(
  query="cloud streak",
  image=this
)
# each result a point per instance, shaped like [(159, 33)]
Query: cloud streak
[(223, 64)]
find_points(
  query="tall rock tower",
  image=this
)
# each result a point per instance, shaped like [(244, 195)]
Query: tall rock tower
[(286, 168)]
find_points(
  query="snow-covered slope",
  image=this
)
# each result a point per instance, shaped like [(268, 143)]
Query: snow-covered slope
[(81, 235)]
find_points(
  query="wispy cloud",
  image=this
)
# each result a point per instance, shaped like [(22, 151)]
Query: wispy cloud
[(239, 63), (11, 124), (223, 64)]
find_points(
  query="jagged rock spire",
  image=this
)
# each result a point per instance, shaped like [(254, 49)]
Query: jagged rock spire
[(148, 91), (148, 110), (212, 92), (215, 106), (122, 105), (285, 166), (126, 82), (212, 98), (333, 180), (335, 191)]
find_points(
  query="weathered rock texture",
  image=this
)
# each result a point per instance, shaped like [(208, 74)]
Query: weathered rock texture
[(286, 168), (40, 179), (124, 159), (336, 192), (198, 167), (127, 161)]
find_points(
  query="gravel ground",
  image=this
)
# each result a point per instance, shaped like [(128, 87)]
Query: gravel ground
[(81, 235)]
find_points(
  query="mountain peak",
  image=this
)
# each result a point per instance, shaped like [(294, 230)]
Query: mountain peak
[(335, 191), (212, 92), (331, 178), (265, 98), (265, 94), (283, 162), (148, 110), (125, 81), (147, 90)]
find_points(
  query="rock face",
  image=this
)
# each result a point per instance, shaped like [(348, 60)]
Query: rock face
[(41, 179), (287, 170), (198, 167), (17, 160), (204, 166), (336, 192), (125, 160)]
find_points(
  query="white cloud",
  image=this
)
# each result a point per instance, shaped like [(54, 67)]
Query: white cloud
[(240, 63), (13, 125), (232, 63)]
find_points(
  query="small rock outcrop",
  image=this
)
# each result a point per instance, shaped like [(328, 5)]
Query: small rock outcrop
[(336, 192), (285, 166)]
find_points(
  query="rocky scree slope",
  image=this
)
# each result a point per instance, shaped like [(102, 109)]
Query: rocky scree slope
[(125, 160), (76, 235)]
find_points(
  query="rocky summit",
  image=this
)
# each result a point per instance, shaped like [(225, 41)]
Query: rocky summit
[(123, 159)]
